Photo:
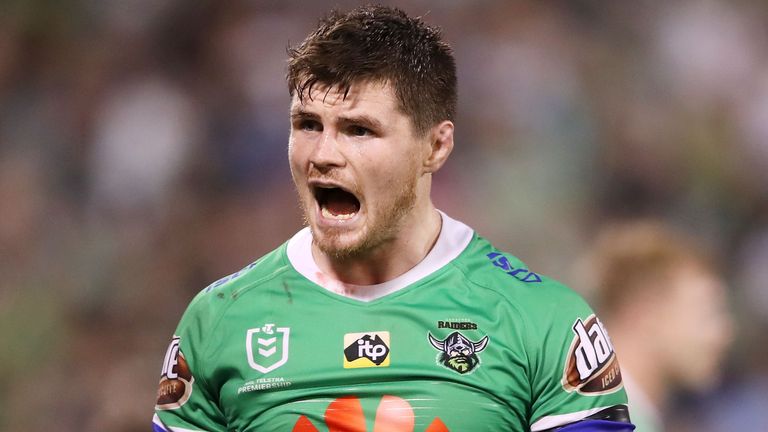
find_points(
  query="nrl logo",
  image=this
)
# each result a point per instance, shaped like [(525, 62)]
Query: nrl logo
[(271, 347), (458, 353)]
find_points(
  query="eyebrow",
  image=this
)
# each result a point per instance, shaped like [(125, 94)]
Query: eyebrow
[(300, 113), (362, 120)]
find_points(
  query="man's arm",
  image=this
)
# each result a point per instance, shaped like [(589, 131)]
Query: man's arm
[(575, 374), (613, 419), (186, 402)]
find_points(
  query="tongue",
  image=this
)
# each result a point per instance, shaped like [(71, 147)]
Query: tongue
[(339, 202)]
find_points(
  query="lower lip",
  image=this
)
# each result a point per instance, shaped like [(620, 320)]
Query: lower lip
[(322, 220)]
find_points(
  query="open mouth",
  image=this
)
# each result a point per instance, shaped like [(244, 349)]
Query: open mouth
[(336, 203)]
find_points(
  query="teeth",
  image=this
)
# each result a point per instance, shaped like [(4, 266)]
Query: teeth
[(329, 215)]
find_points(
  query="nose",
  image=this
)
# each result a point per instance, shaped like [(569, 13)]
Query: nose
[(326, 153)]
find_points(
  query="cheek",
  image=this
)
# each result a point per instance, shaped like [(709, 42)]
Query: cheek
[(693, 341), (397, 173), (683, 327), (297, 158), (386, 188), (292, 150)]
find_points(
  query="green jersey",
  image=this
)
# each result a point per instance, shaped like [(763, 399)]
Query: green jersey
[(468, 340)]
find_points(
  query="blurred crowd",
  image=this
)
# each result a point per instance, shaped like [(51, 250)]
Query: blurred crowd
[(143, 156)]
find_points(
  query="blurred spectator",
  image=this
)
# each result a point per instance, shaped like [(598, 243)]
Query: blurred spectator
[(143, 137), (664, 304)]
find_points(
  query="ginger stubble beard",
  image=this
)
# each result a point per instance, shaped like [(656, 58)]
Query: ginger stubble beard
[(383, 227)]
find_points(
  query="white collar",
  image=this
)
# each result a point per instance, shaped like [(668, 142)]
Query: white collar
[(453, 239)]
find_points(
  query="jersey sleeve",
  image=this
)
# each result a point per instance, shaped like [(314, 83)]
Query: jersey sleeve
[(598, 426), (574, 370), (185, 400)]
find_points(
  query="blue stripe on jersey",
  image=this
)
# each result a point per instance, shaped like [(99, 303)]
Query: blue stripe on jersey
[(598, 426)]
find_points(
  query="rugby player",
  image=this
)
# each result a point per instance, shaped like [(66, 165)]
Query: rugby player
[(384, 313)]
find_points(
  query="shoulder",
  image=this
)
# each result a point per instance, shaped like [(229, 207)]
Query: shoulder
[(213, 300), (202, 328), (266, 267), (512, 280), (543, 310), (569, 359)]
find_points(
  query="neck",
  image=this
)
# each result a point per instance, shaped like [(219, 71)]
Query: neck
[(412, 242), (633, 355)]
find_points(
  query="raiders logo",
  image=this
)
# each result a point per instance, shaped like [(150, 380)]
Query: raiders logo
[(175, 380), (458, 353), (591, 367)]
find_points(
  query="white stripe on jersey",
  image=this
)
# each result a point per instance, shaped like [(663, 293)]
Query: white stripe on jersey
[(548, 422), (159, 423)]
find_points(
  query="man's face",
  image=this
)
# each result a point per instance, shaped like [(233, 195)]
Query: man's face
[(697, 327), (356, 163)]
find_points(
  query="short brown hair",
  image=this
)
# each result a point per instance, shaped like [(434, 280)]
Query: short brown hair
[(631, 258), (378, 43)]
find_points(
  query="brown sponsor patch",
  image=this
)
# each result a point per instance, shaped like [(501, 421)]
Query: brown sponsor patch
[(592, 367), (176, 380)]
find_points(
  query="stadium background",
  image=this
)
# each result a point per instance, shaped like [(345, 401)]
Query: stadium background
[(143, 156)]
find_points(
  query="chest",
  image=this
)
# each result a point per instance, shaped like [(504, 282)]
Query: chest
[(419, 363)]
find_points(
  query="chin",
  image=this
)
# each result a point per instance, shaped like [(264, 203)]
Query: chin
[(339, 245), (703, 377)]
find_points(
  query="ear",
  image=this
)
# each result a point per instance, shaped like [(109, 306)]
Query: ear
[(441, 144)]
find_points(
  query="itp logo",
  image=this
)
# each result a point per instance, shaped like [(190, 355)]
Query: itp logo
[(363, 350)]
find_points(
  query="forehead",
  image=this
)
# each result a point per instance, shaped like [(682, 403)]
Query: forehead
[(361, 96), (694, 283)]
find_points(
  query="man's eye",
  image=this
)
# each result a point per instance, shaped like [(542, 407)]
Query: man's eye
[(310, 126), (359, 131)]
